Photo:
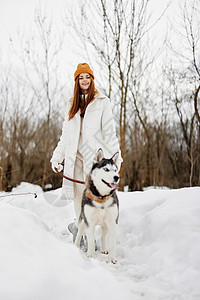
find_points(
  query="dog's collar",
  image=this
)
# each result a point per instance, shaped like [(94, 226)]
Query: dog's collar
[(95, 198)]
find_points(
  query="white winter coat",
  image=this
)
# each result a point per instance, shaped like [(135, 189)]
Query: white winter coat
[(98, 131)]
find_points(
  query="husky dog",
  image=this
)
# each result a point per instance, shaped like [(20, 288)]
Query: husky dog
[(100, 205)]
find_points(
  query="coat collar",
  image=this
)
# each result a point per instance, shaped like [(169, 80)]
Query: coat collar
[(97, 97)]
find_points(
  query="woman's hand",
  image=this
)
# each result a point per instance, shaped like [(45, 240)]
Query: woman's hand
[(56, 165)]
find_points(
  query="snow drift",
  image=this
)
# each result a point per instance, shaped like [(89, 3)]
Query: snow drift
[(158, 246)]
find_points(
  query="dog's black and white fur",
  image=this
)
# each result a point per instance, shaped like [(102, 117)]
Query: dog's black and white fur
[(101, 205)]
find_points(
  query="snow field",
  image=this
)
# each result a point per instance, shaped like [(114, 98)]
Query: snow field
[(158, 246)]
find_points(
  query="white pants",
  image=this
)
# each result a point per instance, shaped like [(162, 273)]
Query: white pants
[(78, 187)]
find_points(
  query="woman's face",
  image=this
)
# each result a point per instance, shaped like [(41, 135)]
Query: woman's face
[(84, 82)]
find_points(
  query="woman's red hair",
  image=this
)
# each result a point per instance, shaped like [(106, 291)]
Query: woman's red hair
[(77, 101)]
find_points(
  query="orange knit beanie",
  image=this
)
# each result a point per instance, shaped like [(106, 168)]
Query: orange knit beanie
[(83, 68)]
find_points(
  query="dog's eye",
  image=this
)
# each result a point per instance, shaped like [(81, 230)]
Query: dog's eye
[(106, 169)]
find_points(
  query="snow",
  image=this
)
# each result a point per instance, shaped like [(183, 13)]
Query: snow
[(158, 246)]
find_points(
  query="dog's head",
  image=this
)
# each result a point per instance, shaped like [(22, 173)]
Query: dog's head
[(104, 173)]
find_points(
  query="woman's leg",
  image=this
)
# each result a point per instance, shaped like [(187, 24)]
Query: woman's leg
[(78, 188)]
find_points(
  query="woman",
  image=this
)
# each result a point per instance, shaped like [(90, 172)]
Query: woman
[(89, 125)]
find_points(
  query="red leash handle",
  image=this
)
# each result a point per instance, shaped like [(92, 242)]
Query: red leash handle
[(68, 178)]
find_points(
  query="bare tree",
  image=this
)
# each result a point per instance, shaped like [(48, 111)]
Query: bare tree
[(39, 54), (185, 81), (118, 40), (191, 26)]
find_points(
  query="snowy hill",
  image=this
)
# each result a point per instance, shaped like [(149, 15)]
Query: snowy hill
[(158, 246)]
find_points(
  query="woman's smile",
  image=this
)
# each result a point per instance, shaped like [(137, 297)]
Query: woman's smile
[(84, 81)]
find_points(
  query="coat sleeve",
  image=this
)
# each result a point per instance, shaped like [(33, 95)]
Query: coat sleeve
[(59, 152), (109, 132)]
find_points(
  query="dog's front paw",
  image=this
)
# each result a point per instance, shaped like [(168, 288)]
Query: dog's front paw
[(112, 260), (104, 252)]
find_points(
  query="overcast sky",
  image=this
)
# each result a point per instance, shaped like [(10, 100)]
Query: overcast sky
[(19, 14)]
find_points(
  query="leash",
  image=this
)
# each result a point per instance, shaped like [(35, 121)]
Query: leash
[(88, 193), (68, 178)]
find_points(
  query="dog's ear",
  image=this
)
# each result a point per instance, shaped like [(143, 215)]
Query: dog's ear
[(99, 155), (115, 157)]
